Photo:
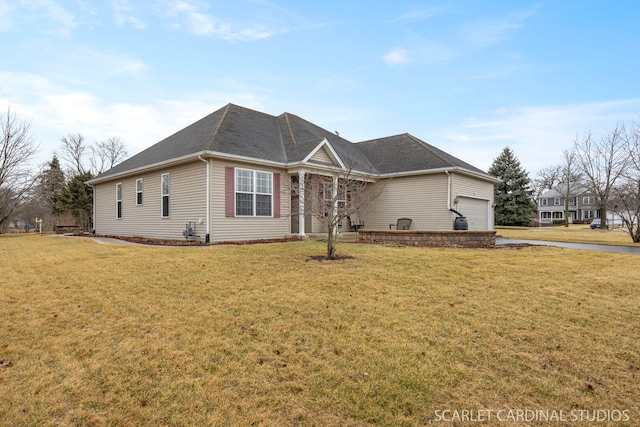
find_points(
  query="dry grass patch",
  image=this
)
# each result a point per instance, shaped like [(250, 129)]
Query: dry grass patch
[(578, 233), (264, 335)]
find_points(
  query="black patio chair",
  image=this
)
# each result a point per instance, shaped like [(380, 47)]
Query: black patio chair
[(401, 224)]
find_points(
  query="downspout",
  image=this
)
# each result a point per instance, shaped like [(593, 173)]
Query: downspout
[(207, 238), (448, 189), (93, 209)]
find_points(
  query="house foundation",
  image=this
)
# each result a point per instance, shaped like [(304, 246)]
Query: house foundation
[(464, 238)]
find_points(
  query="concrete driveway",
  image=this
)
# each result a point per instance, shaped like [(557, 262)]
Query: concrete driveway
[(582, 246)]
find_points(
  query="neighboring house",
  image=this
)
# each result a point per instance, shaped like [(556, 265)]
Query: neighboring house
[(232, 176), (583, 206)]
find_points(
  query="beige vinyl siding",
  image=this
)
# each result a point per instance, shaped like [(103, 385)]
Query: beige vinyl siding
[(321, 156), (247, 228), (187, 202), (467, 185), (422, 198)]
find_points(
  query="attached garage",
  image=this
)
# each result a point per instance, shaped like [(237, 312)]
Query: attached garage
[(477, 212)]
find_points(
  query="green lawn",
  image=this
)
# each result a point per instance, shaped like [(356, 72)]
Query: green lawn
[(261, 334)]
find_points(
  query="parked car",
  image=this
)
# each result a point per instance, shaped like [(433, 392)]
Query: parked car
[(595, 223)]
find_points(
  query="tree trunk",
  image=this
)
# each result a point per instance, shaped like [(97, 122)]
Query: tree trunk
[(603, 217), (331, 244)]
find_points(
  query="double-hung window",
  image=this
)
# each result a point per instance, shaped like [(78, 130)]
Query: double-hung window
[(340, 199), (139, 191), (165, 195), (254, 193), (119, 200)]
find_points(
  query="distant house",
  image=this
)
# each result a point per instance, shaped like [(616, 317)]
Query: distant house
[(583, 206), (229, 176)]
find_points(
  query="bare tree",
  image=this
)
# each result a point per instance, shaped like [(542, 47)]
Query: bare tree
[(337, 197), (548, 179), (74, 149), (83, 158), (602, 160), (625, 198), (17, 148), (570, 178), (106, 154)]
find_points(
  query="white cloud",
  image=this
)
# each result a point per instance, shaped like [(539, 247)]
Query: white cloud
[(122, 10), (537, 134), (197, 22), (6, 16), (421, 14), (481, 34), (51, 16), (396, 57), (55, 111)]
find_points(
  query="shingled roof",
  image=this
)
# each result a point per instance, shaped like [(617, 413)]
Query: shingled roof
[(286, 139)]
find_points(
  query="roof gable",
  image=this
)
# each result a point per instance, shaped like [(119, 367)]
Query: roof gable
[(324, 154)]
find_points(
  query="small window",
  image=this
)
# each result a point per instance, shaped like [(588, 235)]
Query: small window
[(556, 202), (139, 191), (546, 215), (165, 195), (587, 200), (119, 200), (543, 202)]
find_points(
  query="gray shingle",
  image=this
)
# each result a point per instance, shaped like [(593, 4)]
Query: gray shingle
[(404, 153), (286, 139)]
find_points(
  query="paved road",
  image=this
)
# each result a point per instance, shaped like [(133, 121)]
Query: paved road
[(583, 246)]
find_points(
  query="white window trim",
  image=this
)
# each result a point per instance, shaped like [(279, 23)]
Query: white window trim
[(162, 195), (544, 201), (141, 191), (119, 201), (254, 192), (556, 202)]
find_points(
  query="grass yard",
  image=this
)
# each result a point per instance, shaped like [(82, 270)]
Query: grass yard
[(99, 335), (575, 233)]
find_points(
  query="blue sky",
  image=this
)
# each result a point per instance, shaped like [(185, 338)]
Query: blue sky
[(469, 77)]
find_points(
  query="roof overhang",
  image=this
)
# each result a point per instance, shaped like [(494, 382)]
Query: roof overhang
[(318, 168), (455, 169), (293, 167)]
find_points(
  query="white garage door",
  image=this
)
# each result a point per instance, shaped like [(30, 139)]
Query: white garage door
[(476, 211)]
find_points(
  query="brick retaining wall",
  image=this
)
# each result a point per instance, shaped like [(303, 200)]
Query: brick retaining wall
[(431, 238)]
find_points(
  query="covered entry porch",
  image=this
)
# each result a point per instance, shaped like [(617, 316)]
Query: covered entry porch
[(320, 198)]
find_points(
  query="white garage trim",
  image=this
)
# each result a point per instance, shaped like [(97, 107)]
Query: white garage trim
[(487, 213)]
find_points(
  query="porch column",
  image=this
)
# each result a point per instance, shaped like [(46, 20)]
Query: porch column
[(301, 193), (335, 201)]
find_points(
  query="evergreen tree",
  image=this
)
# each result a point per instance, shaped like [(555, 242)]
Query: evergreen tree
[(513, 201), (52, 187), (78, 199)]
